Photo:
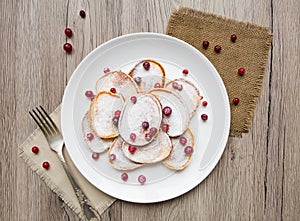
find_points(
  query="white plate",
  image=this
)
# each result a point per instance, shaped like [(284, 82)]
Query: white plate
[(210, 136)]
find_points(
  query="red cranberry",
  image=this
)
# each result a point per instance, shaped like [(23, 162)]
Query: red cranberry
[(188, 150), (124, 176), (133, 99), (235, 101), (175, 85), (68, 47), (204, 117), (241, 71), (131, 149), (133, 136), (205, 44), (90, 136), (165, 127), (35, 149), (146, 65), (115, 121), (153, 131), (233, 37), (46, 165), (179, 87), (117, 113), (218, 48), (145, 125), (68, 32), (167, 111), (148, 136), (113, 90), (89, 94), (112, 156), (95, 156), (157, 85), (204, 103), (138, 80), (142, 179), (182, 140), (106, 70), (82, 13), (185, 71)]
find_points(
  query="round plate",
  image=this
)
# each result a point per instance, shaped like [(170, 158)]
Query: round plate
[(210, 136)]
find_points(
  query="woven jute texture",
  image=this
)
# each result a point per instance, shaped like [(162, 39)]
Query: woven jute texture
[(250, 51)]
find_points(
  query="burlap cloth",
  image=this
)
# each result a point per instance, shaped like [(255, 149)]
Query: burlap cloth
[(249, 51)]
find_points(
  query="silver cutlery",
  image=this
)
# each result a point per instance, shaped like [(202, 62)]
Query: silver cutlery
[(56, 143)]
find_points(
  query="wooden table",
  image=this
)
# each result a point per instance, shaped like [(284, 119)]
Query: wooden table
[(257, 177)]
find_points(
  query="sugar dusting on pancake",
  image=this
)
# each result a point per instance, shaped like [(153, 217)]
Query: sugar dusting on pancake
[(155, 74), (178, 159), (101, 113), (117, 158), (146, 109), (178, 121), (153, 152)]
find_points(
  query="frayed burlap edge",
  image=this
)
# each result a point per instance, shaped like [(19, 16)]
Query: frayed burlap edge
[(255, 30)]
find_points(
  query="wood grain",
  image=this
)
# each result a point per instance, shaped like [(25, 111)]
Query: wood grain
[(257, 177)]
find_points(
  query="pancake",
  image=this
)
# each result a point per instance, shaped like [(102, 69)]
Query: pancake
[(153, 152), (122, 82), (178, 121), (145, 109), (178, 159), (188, 91), (96, 144), (101, 114), (117, 158), (148, 78)]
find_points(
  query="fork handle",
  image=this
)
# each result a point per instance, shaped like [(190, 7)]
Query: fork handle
[(90, 214)]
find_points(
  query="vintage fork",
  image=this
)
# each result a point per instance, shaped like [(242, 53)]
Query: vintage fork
[(56, 143)]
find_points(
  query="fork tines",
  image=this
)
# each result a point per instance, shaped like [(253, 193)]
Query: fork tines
[(43, 120)]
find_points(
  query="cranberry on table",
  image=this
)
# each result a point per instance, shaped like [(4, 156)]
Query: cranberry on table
[(175, 85), (204, 117), (46, 165), (35, 149), (68, 47), (179, 87), (188, 150), (148, 136), (146, 65), (95, 156), (124, 176), (142, 179), (205, 44), (204, 103), (236, 101), (68, 32), (218, 48), (131, 149), (241, 71), (138, 80), (115, 120), (82, 13), (90, 136), (167, 111), (185, 71), (233, 37)]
